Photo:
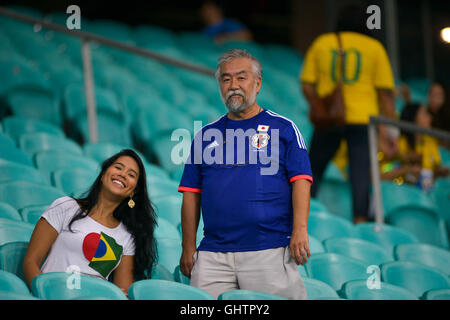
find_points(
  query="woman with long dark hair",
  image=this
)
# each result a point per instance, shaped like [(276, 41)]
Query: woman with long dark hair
[(107, 233)]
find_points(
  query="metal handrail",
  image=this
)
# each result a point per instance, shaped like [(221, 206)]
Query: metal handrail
[(373, 150)]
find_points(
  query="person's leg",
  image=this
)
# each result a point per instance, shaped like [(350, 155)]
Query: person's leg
[(358, 154), (322, 149), (272, 271), (214, 272)]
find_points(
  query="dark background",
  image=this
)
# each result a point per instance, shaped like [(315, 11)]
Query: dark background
[(291, 22)]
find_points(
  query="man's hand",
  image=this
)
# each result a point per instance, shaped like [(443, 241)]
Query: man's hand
[(299, 246), (187, 261)]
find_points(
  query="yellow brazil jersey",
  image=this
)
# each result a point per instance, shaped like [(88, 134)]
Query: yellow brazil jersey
[(427, 147), (367, 68)]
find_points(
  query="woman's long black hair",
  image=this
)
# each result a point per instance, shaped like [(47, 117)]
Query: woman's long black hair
[(140, 221), (409, 113)]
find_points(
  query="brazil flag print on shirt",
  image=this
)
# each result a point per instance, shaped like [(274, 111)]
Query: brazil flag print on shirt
[(102, 251)]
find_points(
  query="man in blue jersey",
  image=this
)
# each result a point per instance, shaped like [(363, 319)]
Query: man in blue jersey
[(249, 174)]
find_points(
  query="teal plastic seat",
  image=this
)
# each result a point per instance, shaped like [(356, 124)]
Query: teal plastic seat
[(31, 214), (438, 294), (19, 172), (11, 257), (16, 126), (441, 197), (200, 230), (384, 235), (316, 205), (315, 245), (335, 269), (71, 180), (11, 283), (101, 151), (168, 207), (323, 226), (425, 254), (165, 290), (414, 277), (9, 212), (337, 197), (368, 252), (14, 231), (32, 143), (302, 271), (358, 290), (4, 295), (248, 295), (21, 194), (15, 155), (53, 286), (316, 289), (154, 172), (424, 223), (169, 253), (180, 277), (159, 272), (165, 229), (6, 142)]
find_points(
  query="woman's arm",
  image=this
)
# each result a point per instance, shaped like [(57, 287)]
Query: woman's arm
[(123, 275), (43, 237)]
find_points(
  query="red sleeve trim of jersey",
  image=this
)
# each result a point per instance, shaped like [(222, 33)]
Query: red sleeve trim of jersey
[(196, 190), (301, 176)]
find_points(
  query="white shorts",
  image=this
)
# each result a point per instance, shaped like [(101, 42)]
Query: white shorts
[(272, 271)]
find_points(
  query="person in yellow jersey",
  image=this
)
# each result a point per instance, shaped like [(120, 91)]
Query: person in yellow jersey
[(367, 89)]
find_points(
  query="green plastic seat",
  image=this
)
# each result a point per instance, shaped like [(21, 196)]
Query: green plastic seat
[(21, 194), (248, 295), (316, 289), (337, 197), (368, 252), (32, 143), (19, 74), (438, 294), (14, 155), (168, 207), (302, 271), (169, 253), (11, 283), (16, 126), (423, 222), (180, 277), (358, 290), (16, 172), (425, 254), (316, 205), (32, 214), (165, 290), (414, 277), (323, 226), (441, 197), (158, 188), (11, 257), (335, 269), (14, 231), (71, 180), (165, 229), (384, 235), (315, 245), (53, 286), (159, 272), (16, 296), (101, 151), (6, 142), (9, 212), (154, 172)]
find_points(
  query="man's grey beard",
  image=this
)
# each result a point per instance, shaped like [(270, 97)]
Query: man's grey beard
[(236, 105)]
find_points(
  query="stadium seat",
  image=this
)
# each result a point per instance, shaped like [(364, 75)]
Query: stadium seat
[(16, 126), (438, 294), (200, 231), (31, 214), (32, 143), (167, 207), (335, 269), (414, 277), (21, 194), (180, 277), (11, 283), (165, 290), (315, 246), (19, 172), (384, 235), (323, 226), (9, 212), (358, 290), (337, 197), (6, 142), (169, 253), (248, 295), (159, 272), (11, 257), (316, 289), (302, 271), (75, 179), (441, 197), (154, 171), (15, 155), (101, 151), (424, 223), (4, 295), (165, 229), (54, 286), (316, 205), (368, 252), (19, 74), (425, 254), (13, 231)]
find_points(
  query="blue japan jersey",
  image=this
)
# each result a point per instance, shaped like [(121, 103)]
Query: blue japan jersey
[(244, 170)]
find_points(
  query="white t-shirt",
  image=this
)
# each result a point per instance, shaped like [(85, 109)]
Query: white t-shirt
[(91, 248)]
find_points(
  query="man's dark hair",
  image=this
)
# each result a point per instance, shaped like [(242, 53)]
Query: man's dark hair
[(352, 18)]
